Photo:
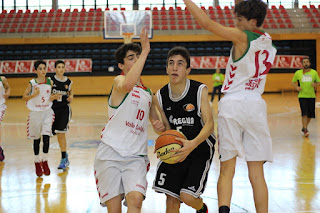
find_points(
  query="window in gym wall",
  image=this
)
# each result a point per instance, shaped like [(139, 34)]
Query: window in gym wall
[(123, 4), (88, 4), (8, 5), (21, 5), (101, 4)]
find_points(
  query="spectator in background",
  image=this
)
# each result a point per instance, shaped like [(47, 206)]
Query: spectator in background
[(218, 79), (305, 81)]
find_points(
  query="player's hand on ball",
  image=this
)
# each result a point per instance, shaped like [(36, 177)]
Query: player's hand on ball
[(185, 150)]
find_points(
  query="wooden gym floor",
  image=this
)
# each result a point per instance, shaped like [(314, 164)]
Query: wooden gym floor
[(293, 178)]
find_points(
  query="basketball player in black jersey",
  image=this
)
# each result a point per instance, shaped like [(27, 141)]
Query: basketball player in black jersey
[(61, 107), (184, 106)]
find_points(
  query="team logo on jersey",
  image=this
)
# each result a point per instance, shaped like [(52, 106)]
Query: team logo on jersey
[(48, 91), (189, 107), (66, 86)]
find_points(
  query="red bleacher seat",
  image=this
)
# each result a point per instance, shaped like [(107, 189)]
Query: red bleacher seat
[(3, 30), (188, 17), (72, 24), (230, 21), (309, 15), (71, 29), (222, 21), (58, 15), (307, 10), (51, 15), (277, 16), (315, 11), (52, 10), (60, 10), (265, 26), (164, 22), (198, 27), (271, 21), (163, 8), (26, 15), (318, 15), (281, 7), (283, 11), (304, 7), (290, 25), (147, 8), (12, 11), (18, 15), (229, 16), (211, 12), (43, 11), (89, 24), (182, 27), (45, 30), (155, 22), (34, 15), (312, 20), (97, 24), (190, 27), (79, 29), (96, 29), (10, 15), (83, 10), (48, 25), (275, 11), (172, 17), (99, 14), (274, 26), (171, 12), (312, 6), (163, 12), (218, 7), (187, 12), (20, 30), (122, 8), (39, 25), (74, 15), (156, 27), (88, 29), (280, 21), (315, 25), (4, 11), (189, 22), (55, 29), (29, 30), (65, 19), (83, 14), (12, 30), (99, 10), (220, 12), (288, 21), (36, 11), (66, 15), (155, 8), (22, 25), (173, 27), (164, 27), (273, 7), (155, 12), (30, 25), (56, 24), (37, 30), (115, 8), (63, 29), (282, 26)]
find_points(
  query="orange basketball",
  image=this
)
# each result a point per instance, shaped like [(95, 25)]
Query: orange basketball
[(167, 142)]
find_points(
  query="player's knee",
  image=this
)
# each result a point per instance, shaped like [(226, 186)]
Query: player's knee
[(172, 203), (134, 199), (187, 199)]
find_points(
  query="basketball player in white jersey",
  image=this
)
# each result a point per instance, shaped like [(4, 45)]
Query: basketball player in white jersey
[(242, 119), (121, 162), (4, 94), (39, 99)]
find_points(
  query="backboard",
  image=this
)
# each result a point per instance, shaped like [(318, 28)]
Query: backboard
[(126, 24)]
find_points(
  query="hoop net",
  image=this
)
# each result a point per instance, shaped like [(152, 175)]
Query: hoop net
[(127, 37)]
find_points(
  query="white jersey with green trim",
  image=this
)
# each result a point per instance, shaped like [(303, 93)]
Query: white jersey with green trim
[(126, 132), (249, 73), (42, 101), (2, 92)]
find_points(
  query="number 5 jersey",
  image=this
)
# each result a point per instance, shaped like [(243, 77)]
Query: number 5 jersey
[(42, 101)]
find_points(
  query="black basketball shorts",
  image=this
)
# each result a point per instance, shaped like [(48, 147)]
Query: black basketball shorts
[(307, 106), (62, 118)]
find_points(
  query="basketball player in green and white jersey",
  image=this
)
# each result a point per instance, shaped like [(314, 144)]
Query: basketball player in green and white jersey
[(121, 162), (242, 120), (4, 94)]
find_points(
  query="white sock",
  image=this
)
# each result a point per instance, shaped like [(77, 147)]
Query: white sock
[(37, 158), (44, 156)]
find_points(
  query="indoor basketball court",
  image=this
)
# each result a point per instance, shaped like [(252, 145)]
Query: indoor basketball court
[(293, 177)]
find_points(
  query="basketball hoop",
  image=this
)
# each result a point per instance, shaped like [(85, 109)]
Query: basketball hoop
[(127, 37)]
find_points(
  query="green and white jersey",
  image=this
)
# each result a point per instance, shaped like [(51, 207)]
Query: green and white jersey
[(42, 101), (2, 92), (306, 79), (127, 129), (249, 72)]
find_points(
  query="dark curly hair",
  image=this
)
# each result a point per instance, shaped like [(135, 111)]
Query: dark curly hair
[(179, 51), (252, 9), (121, 52)]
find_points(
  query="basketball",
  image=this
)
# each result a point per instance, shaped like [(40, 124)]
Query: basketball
[(167, 142)]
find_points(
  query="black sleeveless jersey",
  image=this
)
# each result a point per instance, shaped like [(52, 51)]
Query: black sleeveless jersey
[(61, 87), (184, 113)]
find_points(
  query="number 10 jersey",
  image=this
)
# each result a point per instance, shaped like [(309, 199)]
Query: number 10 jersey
[(127, 129)]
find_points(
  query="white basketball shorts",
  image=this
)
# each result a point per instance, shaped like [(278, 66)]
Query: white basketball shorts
[(243, 129), (114, 178), (3, 108), (40, 123)]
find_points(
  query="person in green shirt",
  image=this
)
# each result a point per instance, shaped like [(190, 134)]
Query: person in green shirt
[(306, 81), (218, 79)]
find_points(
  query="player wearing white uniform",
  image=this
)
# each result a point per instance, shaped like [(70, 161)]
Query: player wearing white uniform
[(242, 117), (4, 94), (39, 99), (121, 162)]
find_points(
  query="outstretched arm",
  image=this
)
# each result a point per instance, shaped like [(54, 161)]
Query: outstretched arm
[(230, 33), (124, 84)]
